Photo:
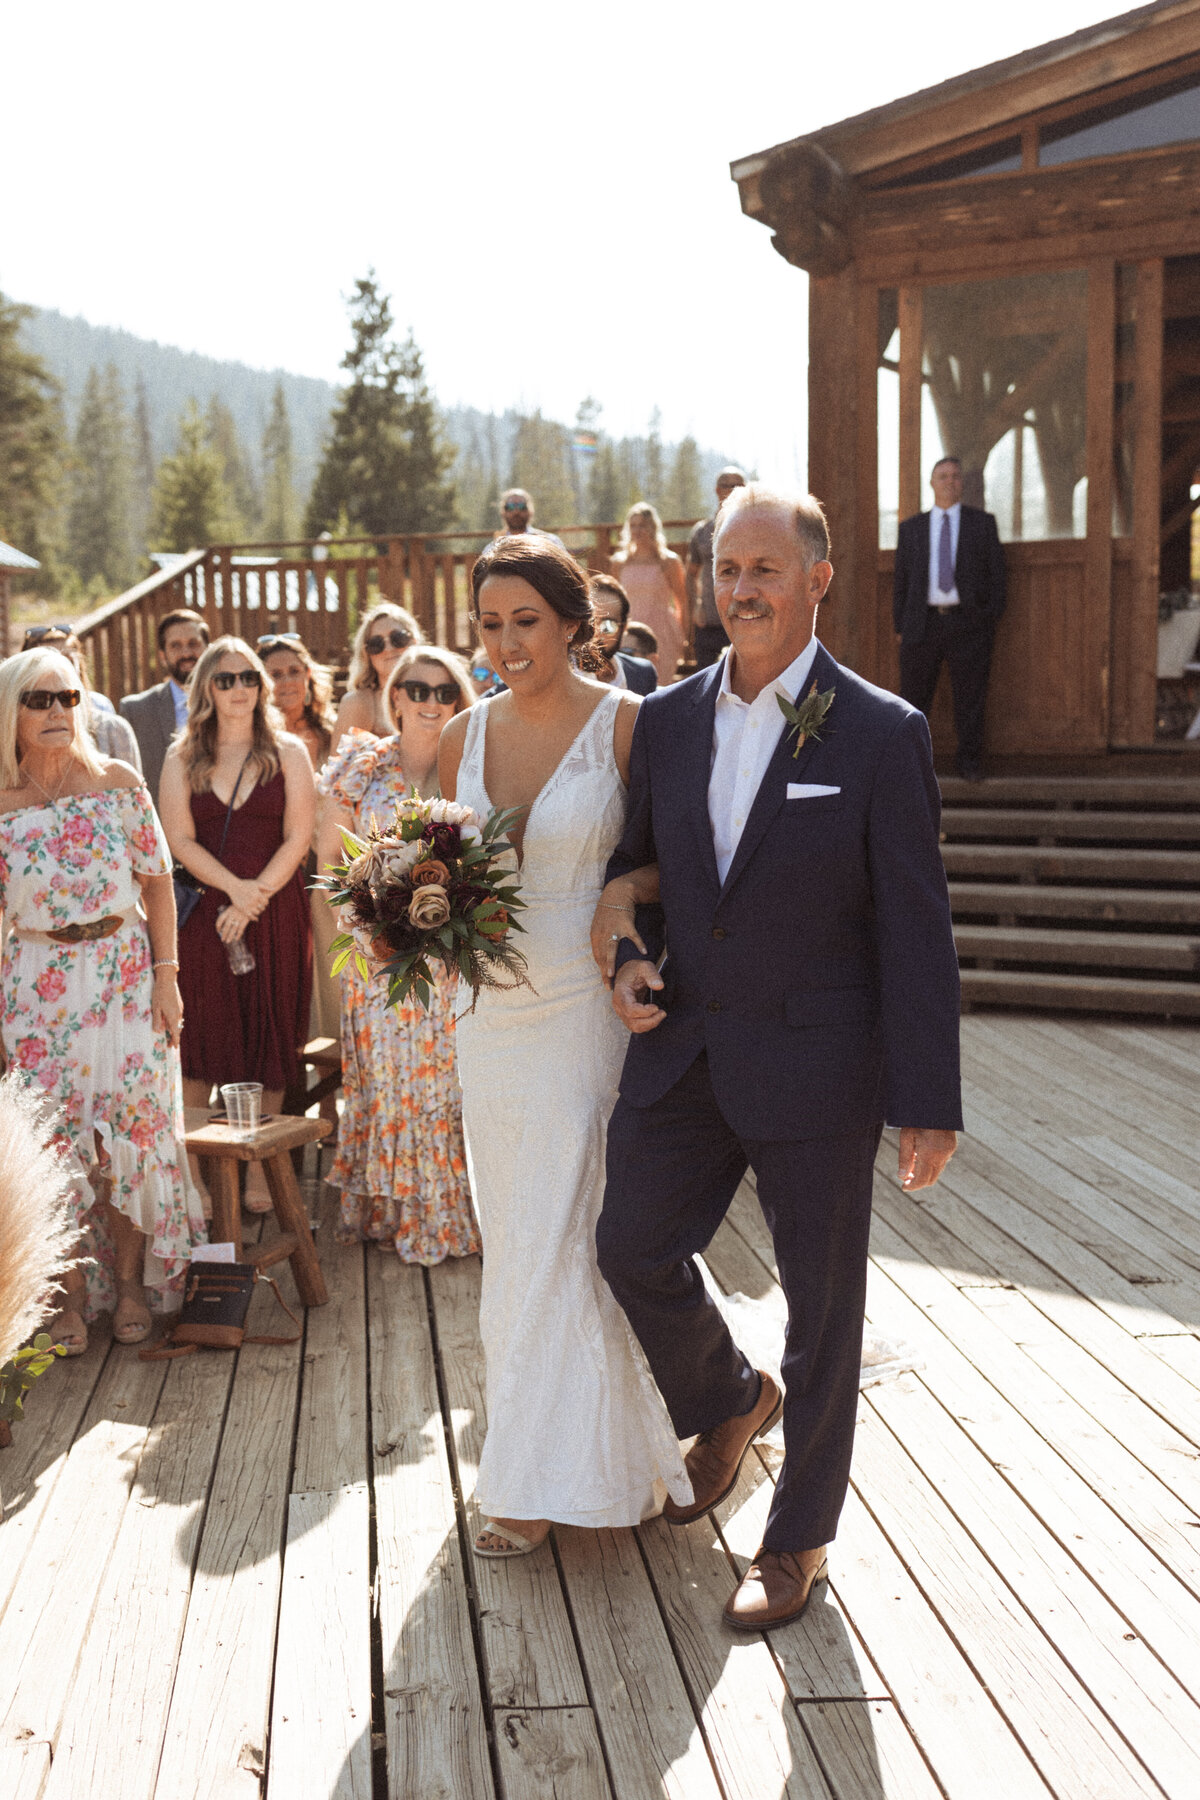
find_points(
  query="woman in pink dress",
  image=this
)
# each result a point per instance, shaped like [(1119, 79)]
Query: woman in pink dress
[(652, 576)]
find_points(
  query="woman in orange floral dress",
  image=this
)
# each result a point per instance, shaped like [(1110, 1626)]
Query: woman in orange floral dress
[(400, 1162)]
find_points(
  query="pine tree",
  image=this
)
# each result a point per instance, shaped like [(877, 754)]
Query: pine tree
[(541, 464), (279, 522), (192, 505), (32, 442), (605, 492), (655, 482), (385, 464), (99, 525), (143, 468), (240, 481), (685, 497)]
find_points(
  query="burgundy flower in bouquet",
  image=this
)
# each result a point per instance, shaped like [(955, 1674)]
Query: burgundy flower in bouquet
[(429, 889)]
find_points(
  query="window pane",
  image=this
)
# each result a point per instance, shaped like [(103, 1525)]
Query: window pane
[(1123, 392), (887, 417), (1140, 123), (995, 159), (1004, 365)]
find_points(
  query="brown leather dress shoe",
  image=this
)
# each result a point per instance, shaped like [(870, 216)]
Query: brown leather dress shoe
[(775, 1589), (714, 1461)]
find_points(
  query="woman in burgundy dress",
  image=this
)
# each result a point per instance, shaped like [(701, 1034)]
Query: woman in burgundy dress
[(238, 802)]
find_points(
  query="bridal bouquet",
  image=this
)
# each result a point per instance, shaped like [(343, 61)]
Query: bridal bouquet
[(429, 889)]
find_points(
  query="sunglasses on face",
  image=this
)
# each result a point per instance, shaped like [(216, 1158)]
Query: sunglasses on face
[(396, 640), (277, 640), (516, 506), (37, 634), (609, 627), (445, 693), (248, 677), (42, 699)]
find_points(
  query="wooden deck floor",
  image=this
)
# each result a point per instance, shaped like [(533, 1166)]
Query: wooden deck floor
[(226, 1577)]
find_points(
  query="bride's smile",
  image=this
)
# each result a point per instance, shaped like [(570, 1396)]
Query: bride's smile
[(523, 636)]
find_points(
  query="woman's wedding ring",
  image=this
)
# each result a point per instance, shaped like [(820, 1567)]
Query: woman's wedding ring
[(614, 937)]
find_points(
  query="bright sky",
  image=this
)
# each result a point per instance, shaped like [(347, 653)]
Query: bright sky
[(543, 188)]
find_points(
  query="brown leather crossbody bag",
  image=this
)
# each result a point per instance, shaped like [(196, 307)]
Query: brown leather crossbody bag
[(216, 1301)]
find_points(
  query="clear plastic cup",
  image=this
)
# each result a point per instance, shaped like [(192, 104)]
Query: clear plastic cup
[(243, 1106)]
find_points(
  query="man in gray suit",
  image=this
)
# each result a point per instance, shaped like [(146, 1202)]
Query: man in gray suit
[(158, 713)]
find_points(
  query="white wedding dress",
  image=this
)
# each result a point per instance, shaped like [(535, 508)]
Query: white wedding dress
[(577, 1431)]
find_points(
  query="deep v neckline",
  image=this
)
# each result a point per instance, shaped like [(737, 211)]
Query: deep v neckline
[(551, 778)]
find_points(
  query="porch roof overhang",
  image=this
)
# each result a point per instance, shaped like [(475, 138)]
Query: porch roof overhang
[(16, 559)]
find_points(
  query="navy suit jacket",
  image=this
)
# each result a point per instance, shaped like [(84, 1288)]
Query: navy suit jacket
[(641, 677), (821, 976), (979, 573)]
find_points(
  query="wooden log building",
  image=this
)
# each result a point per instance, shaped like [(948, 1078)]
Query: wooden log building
[(1006, 267)]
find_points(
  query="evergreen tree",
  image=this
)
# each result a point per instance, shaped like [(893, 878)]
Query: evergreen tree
[(541, 464), (32, 439), (240, 481), (192, 505), (654, 484), (279, 522), (143, 468), (385, 464), (605, 492), (99, 525), (685, 497)]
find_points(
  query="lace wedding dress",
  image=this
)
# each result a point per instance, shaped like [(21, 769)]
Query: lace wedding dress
[(577, 1431)]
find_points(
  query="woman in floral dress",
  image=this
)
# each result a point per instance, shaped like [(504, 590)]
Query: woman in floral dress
[(400, 1162), (91, 1007)]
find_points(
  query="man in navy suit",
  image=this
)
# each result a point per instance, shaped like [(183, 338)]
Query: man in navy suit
[(809, 993), (948, 593)]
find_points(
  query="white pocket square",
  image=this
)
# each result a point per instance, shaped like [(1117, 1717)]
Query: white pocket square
[(809, 790)]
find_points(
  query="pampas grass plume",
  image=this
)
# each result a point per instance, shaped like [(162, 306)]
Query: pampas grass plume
[(36, 1235)]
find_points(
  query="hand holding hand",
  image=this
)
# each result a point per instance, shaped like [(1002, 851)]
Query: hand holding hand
[(636, 1014), (231, 924), (249, 897), (923, 1155), (612, 921)]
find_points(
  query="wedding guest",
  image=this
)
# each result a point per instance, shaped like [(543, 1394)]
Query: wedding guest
[(640, 640), (610, 615), (652, 576), (400, 1163), (238, 805), (380, 641), (112, 735), (303, 692), (516, 517), (158, 713), (91, 1005), (708, 633)]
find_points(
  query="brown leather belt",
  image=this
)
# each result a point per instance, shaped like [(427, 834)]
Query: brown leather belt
[(86, 933)]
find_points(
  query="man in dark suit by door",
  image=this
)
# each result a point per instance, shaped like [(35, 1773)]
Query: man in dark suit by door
[(948, 594)]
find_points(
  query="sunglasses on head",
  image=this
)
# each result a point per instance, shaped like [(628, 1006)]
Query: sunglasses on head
[(37, 634), (445, 693), (42, 699), (226, 679), (278, 640), (396, 638)]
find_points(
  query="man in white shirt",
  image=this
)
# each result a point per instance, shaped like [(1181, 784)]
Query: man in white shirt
[(948, 593), (809, 991), (159, 712)]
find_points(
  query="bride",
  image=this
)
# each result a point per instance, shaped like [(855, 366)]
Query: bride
[(578, 1434)]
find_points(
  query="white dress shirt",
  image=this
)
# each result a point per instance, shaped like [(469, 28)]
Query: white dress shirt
[(937, 514), (744, 740), (179, 700)]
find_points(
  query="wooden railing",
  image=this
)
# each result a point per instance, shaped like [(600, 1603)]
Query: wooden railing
[(319, 590)]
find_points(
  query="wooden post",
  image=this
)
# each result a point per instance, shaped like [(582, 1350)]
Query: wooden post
[(833, 450), (911, 353), (1098, 556), (1136, 651)]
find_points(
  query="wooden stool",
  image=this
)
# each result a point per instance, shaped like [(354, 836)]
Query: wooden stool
[(271, 1145), (324, 1055)]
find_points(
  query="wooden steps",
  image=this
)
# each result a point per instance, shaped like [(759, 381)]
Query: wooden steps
[(1047, 874)]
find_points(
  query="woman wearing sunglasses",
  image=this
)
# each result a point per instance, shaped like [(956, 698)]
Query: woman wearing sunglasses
[(379, 643), (91, 1006), (238, 804), (400, 1161)]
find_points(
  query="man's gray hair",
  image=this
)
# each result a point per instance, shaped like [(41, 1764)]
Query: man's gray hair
[(812, 527)]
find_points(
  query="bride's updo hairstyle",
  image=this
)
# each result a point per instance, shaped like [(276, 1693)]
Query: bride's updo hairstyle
[(551, 572)]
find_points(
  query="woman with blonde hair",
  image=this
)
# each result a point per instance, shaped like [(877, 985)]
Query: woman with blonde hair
[(91, 1007), (385, 634), (400, 1162), (238, 804), (652, 576)]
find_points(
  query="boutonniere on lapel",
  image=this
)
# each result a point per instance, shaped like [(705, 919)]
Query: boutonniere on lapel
[(806, 720)]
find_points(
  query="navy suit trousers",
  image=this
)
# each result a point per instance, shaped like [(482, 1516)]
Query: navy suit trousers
[(673, 1168)]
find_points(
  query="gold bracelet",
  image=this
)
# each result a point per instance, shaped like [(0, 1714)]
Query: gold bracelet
[(609, 907)]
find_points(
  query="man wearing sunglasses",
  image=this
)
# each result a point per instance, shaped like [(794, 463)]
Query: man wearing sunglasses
[(516, 514), (158, 713)]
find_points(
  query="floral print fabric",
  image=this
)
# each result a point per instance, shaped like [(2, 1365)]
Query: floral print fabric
[(400, 1160), (76, 1018)]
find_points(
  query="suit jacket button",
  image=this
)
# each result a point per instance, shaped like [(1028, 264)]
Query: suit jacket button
[(714, 1006), (718, 931)]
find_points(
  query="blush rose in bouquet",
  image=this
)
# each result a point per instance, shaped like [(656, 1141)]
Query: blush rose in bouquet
[(429, 889)]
